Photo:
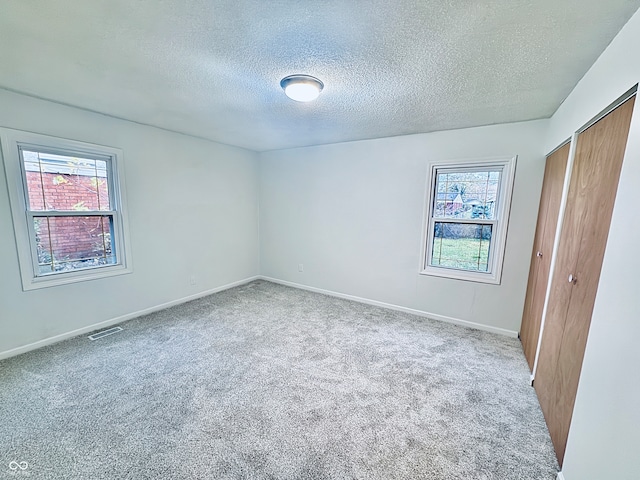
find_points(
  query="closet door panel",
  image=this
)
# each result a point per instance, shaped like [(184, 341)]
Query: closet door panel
[(599, 179), (552, 336), (594, 180), (548, 212)]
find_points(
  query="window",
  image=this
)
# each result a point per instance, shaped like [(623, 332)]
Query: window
[(67, 205), (466, 223)]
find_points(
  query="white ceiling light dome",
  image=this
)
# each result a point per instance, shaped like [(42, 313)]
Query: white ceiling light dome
[(301, 88)]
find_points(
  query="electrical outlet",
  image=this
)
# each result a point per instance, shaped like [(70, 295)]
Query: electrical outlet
[(300, 267), (193, 280)]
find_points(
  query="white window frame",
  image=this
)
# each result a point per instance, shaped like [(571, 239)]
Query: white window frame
[(499, 224), (11, 142)]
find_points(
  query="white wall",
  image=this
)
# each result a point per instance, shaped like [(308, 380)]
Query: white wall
[(193, 210), (604, 439), (352, 213)]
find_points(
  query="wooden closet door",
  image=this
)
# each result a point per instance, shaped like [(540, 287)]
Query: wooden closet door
[(548, 212), (592, 191)]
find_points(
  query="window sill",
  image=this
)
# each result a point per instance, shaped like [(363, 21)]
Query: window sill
[(35, 283), (453, 274)]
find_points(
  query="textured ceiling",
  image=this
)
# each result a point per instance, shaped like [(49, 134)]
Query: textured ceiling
[(212, 68)]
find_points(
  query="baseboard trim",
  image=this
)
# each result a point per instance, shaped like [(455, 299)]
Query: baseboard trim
[(421, 313), (560, 476), (123, 318)]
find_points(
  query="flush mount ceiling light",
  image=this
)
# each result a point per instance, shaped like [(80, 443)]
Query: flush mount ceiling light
[(301, 88)]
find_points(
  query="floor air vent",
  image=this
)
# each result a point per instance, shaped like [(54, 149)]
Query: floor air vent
[(104, 333)]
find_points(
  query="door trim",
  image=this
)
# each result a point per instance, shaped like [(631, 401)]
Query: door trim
[(610, 108)]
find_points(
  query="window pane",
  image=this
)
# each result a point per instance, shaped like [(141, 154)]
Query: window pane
[(59, 182), (461, 246), (467, 194), (72, 243)]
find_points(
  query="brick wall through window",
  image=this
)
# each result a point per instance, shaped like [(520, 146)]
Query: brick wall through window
[(69, 238)]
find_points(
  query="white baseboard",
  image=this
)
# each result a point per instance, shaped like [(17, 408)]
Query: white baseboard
[(421, 313), (113, 321), (120, 319), (560, 476)]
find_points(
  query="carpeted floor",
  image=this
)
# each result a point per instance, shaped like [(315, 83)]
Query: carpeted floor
[(269, 382)]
